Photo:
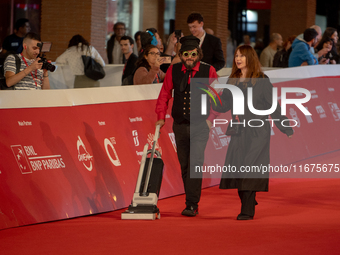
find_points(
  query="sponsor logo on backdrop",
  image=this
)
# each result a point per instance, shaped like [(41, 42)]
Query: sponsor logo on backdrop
[(108, 144), (135, 119), (218, 138), (335, 110), (320, 111), (83, 155), (150, 142), (139, 153), (135, 137), (314, 95), (24, 123), (28, 160), (309, 118), (21, 159), (294, 116)]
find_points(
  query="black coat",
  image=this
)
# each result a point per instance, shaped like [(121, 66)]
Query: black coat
[(109, 49), (281, 58), (212, 52), (251, 147), (130, 68)]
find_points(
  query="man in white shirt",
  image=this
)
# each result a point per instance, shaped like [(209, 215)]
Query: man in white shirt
[(267, 55), (114, 53)]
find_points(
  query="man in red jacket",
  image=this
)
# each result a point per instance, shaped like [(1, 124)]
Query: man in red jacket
[(177, 79)]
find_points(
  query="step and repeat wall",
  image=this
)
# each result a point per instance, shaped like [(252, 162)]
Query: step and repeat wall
[(72, 152)]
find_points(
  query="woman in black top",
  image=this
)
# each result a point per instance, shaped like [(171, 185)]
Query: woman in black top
[(332, 33)]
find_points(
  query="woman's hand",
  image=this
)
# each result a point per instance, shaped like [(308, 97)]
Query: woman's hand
[(159, 62)]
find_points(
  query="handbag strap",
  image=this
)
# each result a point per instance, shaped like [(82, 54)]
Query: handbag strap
[(89, 50)]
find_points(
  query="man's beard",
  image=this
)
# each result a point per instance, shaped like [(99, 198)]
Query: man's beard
[(191, 66)]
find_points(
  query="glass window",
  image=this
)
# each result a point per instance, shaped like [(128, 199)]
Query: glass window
[(127, 11)]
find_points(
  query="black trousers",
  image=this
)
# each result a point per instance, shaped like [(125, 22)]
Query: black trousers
[(248, 202), (191, 141)]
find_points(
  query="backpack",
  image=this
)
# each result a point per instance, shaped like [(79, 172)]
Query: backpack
[(3, 56)]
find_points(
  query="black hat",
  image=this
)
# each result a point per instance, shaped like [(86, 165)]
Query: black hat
[(309, 34), (189, 42)]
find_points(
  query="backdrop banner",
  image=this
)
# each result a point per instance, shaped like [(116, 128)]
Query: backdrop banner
[(69, 153)]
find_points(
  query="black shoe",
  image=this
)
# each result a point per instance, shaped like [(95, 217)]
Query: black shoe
[(190, 211), (244, 217)]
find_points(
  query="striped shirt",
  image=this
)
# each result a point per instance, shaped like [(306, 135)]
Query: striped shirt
[(27, 83)]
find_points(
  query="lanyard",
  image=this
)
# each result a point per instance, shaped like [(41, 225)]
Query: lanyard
[(36, 72)]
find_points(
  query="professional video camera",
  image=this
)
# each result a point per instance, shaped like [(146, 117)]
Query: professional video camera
[(45, 47)]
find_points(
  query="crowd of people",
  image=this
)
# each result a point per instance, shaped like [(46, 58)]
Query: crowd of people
[(309, 48), (146, 61)]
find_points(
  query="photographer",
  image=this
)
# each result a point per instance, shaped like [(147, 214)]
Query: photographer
[(30, 76)]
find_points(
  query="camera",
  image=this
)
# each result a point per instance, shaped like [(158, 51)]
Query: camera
[(45, 47), (178, 34)]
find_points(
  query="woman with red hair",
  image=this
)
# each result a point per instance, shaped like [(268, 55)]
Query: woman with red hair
[(249, 145)]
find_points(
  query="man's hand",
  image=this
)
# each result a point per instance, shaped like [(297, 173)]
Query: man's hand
[(159, 62), (35, 65), (160, 122), (171, 44)]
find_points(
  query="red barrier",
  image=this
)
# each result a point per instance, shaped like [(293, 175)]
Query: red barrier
[(69, 153)]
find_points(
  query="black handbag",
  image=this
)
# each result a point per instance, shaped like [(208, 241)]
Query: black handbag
[(235, 129), (92, 68)]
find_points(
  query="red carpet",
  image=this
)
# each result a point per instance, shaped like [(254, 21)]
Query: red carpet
[(297, 216)]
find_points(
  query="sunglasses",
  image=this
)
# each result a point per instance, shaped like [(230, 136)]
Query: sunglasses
[(187, 54)]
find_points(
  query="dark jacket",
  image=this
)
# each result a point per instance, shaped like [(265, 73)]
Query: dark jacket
[(129, 70), (212, 52), (300, 53), (251, 147), (281, 58), (191, 97), (109, 49)]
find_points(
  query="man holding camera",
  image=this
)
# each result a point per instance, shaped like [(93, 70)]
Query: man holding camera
[(30, 76)]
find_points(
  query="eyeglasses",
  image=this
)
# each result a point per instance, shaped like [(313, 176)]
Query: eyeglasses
[(154, 53), (187, 54)]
